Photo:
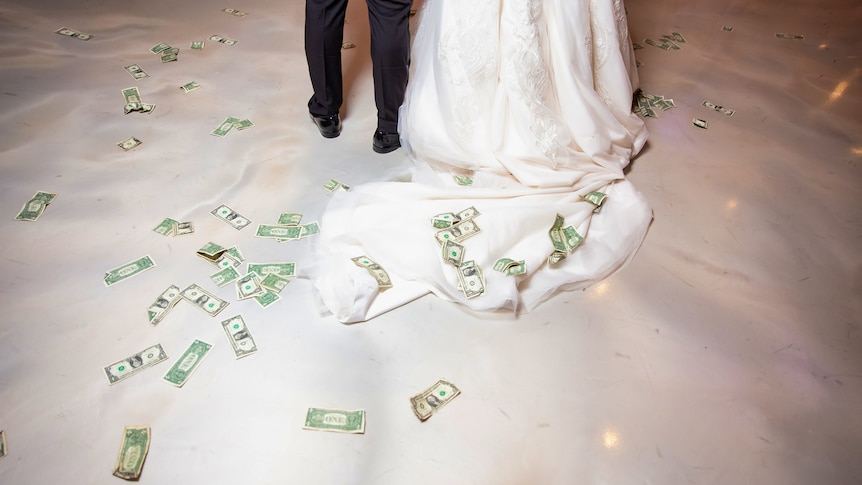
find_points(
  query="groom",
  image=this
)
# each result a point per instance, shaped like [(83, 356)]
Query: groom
[(390, 56)]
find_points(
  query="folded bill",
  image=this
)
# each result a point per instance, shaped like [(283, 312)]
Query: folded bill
[(134, 364), (133, 452), (428, 402), (163, 304), (34, 207), (380, 275), (166, 227)]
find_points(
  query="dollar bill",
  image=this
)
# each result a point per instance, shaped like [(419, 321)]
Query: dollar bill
[(267, 298), (727, 28), (248, 286), (335, 184), (163, 305), (211, 251), (223, 40), (168, 56), (428, 402), (310, 229), (133, 452), (289, 219), (572, 238), (129, 143), (204, 300), (166, 227), (239, 337), (191, 359), (159, 48), (453, 253), (243, 124), (231, 217), (234, 12), (348, 45), (235, 253), (462, 180), (128, 270), (337, 420), (183, 228), (790, 36), (132, 97), (636, 46), (471, 279), (135, 363), (445, 220), (377, 272), (190, 86), (274, 282), (468, 213), (264, 269), (664, 45), (556, 257), (227, 260), (65, 31), (720, 109), (516, 269), (225, 127), (136, 71), (458, 232), (225, 276), (278, 232), (3, 450), (597, 199), (699, 123), (35, 207), (197, 45)]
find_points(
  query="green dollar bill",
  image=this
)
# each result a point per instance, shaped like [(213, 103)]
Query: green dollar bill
[(289, 219), (239, 337), (211, 251), (678, 37), (310, 229), (183, 228), (187, 363), (337, 420), (236, 253), (190, 86), (636, 46), (204, 300), (158, 48), (596, 198), (278, 232), (377, 272), (223, 40), (572, 238), (132, 96), (129, 143), (34, 207), (128, 270), (699, 123), (235, 12), (444, 220), (274, 282), (136, 71), (468, 213), (453, 253), (225, 276), (232, 218), (517, 269), (471, 279), (458, 232), (281, 269), (248, 287), (727, 28), (267, 298), (135, 363), (163, 305), (790, 36), (166, 227), (335, 184), (243, 124), (224, 127), (665, 46), (462, 180), (3, 450), (147, 108), (227, 261), (428, 402), (197, 45), (133, 452), (556, 257), (65, 31)]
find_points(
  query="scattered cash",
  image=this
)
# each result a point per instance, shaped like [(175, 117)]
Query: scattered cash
[(133, 100), (463, 180), (278, 232), (274, 282), (643, 104), (471, 279), (191, 86), (453, 253), (444, 220), (790, 36), (73, 33), (335, 184), (228, 260), (720, 109), (597, 199), (129, 143), (222, 40), (336, 420), (289, 219), (136, 71), (510, 267), (135, 363), (204, 300), (229, 124), (34, 207), (235, 12), (458, 232), (187, 363), (727, 28), (239, 337), (243, 124), (348, 45), (564, 239), (163, 304), (248, 287), (267, 298), (128, 270), (133, 452), (380, 275), (225, 276), (183, 228), (428, 402), (265, 269), (3, 450), (169, 55), (232, 218), (166, 227), (310, 229), (197, 45), (699, 123), (159, 48)]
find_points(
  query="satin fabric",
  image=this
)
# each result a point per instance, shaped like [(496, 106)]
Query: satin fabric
[(532, 101)]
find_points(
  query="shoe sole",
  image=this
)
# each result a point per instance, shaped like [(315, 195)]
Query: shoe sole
[(385, 149)]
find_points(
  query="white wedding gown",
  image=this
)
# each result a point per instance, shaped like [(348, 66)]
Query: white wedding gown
[(532, 100)]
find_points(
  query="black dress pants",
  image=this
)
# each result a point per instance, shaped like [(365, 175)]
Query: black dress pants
[(390, 55)]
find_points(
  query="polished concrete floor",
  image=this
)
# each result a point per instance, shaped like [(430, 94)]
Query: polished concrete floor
[(728, 352)]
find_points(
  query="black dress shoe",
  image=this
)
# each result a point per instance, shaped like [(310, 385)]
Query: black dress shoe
[(329, 126), (384, 142)]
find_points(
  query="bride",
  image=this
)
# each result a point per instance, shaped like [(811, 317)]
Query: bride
[(521, 110)]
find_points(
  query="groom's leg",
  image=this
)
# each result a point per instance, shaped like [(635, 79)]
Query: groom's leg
[(390, 56), (324, 34)]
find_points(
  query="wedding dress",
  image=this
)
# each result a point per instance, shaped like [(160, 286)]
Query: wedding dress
[(530, 99)]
